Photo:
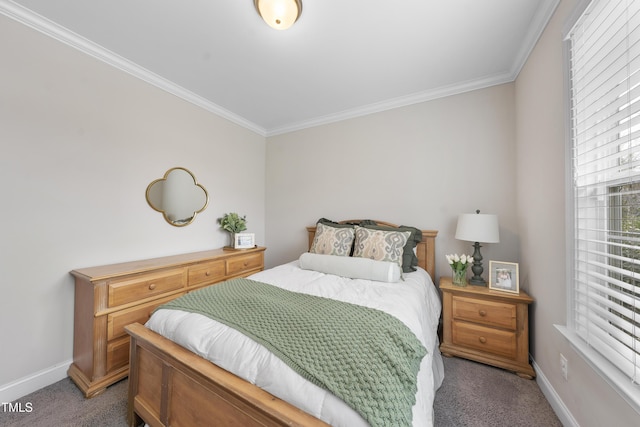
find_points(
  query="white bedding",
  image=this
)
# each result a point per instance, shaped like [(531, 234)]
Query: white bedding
[(414, 301)]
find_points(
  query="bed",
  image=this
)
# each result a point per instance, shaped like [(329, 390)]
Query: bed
[(193, 379)]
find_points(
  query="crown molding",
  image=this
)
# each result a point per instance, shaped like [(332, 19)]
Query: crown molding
[(537, 27), (64, 35), (403, 101), (57, 32), (539, 23)]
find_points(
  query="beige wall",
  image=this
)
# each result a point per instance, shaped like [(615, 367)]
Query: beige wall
[(80, 141), (420, 165), (540, 117)]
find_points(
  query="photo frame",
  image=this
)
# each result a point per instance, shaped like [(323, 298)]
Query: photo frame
[(504, 276), (244, 240)]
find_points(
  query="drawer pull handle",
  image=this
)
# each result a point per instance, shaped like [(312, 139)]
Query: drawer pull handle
[(152, 286), (246, 263), (208, 273), (482, 313), (483, 340)]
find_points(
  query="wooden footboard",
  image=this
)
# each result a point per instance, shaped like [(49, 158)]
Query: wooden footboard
[(169, 385)]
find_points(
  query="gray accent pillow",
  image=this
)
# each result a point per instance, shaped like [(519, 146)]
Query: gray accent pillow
[(326, 221)]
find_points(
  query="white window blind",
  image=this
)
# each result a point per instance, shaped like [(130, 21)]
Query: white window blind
[(605, 120)]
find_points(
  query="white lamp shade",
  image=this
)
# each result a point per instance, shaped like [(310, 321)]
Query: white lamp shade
[(478, 228), (279, 14)]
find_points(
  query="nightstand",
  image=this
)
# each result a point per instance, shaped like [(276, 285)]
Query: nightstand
[(487, 326)]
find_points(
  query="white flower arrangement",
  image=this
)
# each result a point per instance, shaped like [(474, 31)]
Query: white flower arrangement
[(459, 263)]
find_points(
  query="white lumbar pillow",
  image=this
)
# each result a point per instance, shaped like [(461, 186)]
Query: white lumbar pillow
[(352, 267)]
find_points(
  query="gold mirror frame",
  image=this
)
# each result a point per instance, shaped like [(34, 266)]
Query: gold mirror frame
[(178, 196)]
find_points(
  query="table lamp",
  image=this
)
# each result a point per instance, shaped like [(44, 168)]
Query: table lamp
[(478, 228)]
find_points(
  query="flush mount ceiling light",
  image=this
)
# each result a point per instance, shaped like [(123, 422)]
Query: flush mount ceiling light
[(279, 14)]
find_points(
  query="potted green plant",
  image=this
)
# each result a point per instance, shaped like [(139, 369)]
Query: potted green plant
[(235, 225)]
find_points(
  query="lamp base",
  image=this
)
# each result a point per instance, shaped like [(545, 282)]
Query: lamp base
[(477, 282), (477, 267)]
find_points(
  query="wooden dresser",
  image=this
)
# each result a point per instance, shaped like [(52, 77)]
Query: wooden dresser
[(487, 326), (107, 298)]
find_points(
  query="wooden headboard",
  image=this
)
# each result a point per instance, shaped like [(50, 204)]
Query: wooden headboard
[(426, 249)]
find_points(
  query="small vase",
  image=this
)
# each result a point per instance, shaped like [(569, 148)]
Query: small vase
[(459, 277)]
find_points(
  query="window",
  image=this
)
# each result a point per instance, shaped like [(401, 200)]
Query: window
[(604, 55)]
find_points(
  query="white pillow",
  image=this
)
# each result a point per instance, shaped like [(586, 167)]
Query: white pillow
[(354, 268)]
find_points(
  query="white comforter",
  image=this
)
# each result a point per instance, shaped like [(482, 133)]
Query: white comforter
[(414, 301)]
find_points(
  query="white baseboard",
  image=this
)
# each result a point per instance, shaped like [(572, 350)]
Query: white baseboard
[(26, 385), (561, 410)]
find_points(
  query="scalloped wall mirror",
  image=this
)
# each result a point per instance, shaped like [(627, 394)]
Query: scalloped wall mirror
[(178, 196)]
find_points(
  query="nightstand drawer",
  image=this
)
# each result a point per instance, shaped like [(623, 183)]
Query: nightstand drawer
[(208, 272), (146, 285), (245, 263), (489, 313), (487, 340)]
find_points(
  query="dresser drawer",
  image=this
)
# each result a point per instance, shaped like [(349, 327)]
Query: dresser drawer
[(207, 272), (117, 354), (109, 297), (491, 313), (244, 263), (488, 340), (140, 314), (146, 285)]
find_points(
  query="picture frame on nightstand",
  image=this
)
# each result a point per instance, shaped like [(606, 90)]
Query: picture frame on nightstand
[(504, 276)]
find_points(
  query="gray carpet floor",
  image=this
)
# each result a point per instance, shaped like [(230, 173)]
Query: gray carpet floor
[(472, 395), (477, 395)]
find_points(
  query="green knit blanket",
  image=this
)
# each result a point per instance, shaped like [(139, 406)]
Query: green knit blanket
[(364, 356)]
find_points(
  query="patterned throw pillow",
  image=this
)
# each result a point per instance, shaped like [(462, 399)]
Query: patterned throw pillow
[(380, 245), (409, 258), (332, 240)]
